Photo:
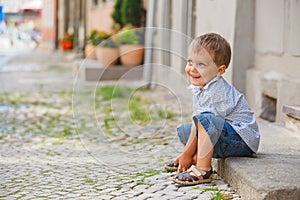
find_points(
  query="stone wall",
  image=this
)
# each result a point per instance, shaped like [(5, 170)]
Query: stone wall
[(265, 41), (276, 69)]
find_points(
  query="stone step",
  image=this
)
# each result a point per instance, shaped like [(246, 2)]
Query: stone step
[(92, 70), (292, 120), (273, 173)]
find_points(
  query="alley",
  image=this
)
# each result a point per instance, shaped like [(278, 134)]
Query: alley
[(61, 139)]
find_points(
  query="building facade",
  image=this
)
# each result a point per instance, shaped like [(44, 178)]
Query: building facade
[(263, 34), (80, 17)]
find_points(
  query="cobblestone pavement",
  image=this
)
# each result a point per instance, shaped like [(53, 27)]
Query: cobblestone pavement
[(61, 142)]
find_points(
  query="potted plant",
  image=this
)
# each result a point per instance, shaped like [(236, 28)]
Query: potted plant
[(107, 51), (117, 15), (128, 12), (131, 49), (90, 47), (67, 43), (131, 12)]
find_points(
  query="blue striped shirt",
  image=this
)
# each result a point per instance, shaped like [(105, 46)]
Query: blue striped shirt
[(222, 99)]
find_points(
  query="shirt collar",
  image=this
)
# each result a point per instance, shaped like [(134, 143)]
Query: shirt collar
[(197, 90), (210, 82)]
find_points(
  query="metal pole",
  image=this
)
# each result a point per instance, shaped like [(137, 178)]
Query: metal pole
[(149, 34), (57, 24)]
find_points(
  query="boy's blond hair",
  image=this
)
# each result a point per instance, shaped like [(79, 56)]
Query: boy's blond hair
[(215, 45)]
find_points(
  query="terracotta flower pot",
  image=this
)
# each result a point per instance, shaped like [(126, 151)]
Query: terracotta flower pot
[(90, 51), (66, 45), (131, 55), (107, 56)]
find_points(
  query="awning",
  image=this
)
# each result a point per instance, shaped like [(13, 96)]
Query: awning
[(32, 5)]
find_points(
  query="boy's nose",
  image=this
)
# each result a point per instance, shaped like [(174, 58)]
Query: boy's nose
[(193, 68)]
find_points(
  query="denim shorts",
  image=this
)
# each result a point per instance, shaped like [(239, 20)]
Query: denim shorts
[(226, 141)]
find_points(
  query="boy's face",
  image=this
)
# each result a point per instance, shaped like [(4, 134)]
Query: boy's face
[(201, 69)]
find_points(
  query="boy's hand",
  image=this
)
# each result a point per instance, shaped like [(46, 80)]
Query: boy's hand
[(184, 161)]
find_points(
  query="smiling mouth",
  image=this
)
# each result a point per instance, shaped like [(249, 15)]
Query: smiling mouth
[(195, 76)]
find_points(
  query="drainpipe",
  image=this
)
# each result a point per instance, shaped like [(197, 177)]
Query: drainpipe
[(57, 10), (149, 35)]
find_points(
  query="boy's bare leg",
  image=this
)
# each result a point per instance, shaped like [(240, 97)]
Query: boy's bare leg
[(204, 149), (186, 158), (195, 159)]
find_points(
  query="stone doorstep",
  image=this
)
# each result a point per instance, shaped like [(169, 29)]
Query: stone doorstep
[(273, 173), (270, 83), (292, 120), (94, 71), (293, 111)]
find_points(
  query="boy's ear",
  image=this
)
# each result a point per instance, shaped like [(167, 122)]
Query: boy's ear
[(221, 69)]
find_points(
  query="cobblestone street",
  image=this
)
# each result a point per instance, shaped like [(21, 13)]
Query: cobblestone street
[(60, 140)]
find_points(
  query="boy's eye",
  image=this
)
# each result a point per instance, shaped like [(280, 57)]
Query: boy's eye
[(201, 65), (190, 62)]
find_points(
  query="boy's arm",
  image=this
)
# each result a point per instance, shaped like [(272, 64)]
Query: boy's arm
[(186, 158)]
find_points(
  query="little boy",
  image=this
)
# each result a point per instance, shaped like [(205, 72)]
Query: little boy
[(223, 123)]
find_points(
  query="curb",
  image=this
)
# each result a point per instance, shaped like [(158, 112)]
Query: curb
[(272, 173)]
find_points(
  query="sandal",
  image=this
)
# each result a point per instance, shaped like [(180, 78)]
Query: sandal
[(193, 176), (171, 167)]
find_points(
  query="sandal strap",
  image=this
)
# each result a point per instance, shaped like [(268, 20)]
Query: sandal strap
[(198, 172)]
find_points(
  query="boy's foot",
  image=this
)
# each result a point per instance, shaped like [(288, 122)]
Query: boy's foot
[(171, 167), (193, 176)]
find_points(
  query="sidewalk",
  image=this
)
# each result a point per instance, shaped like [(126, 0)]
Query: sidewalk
[(57, 141)]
